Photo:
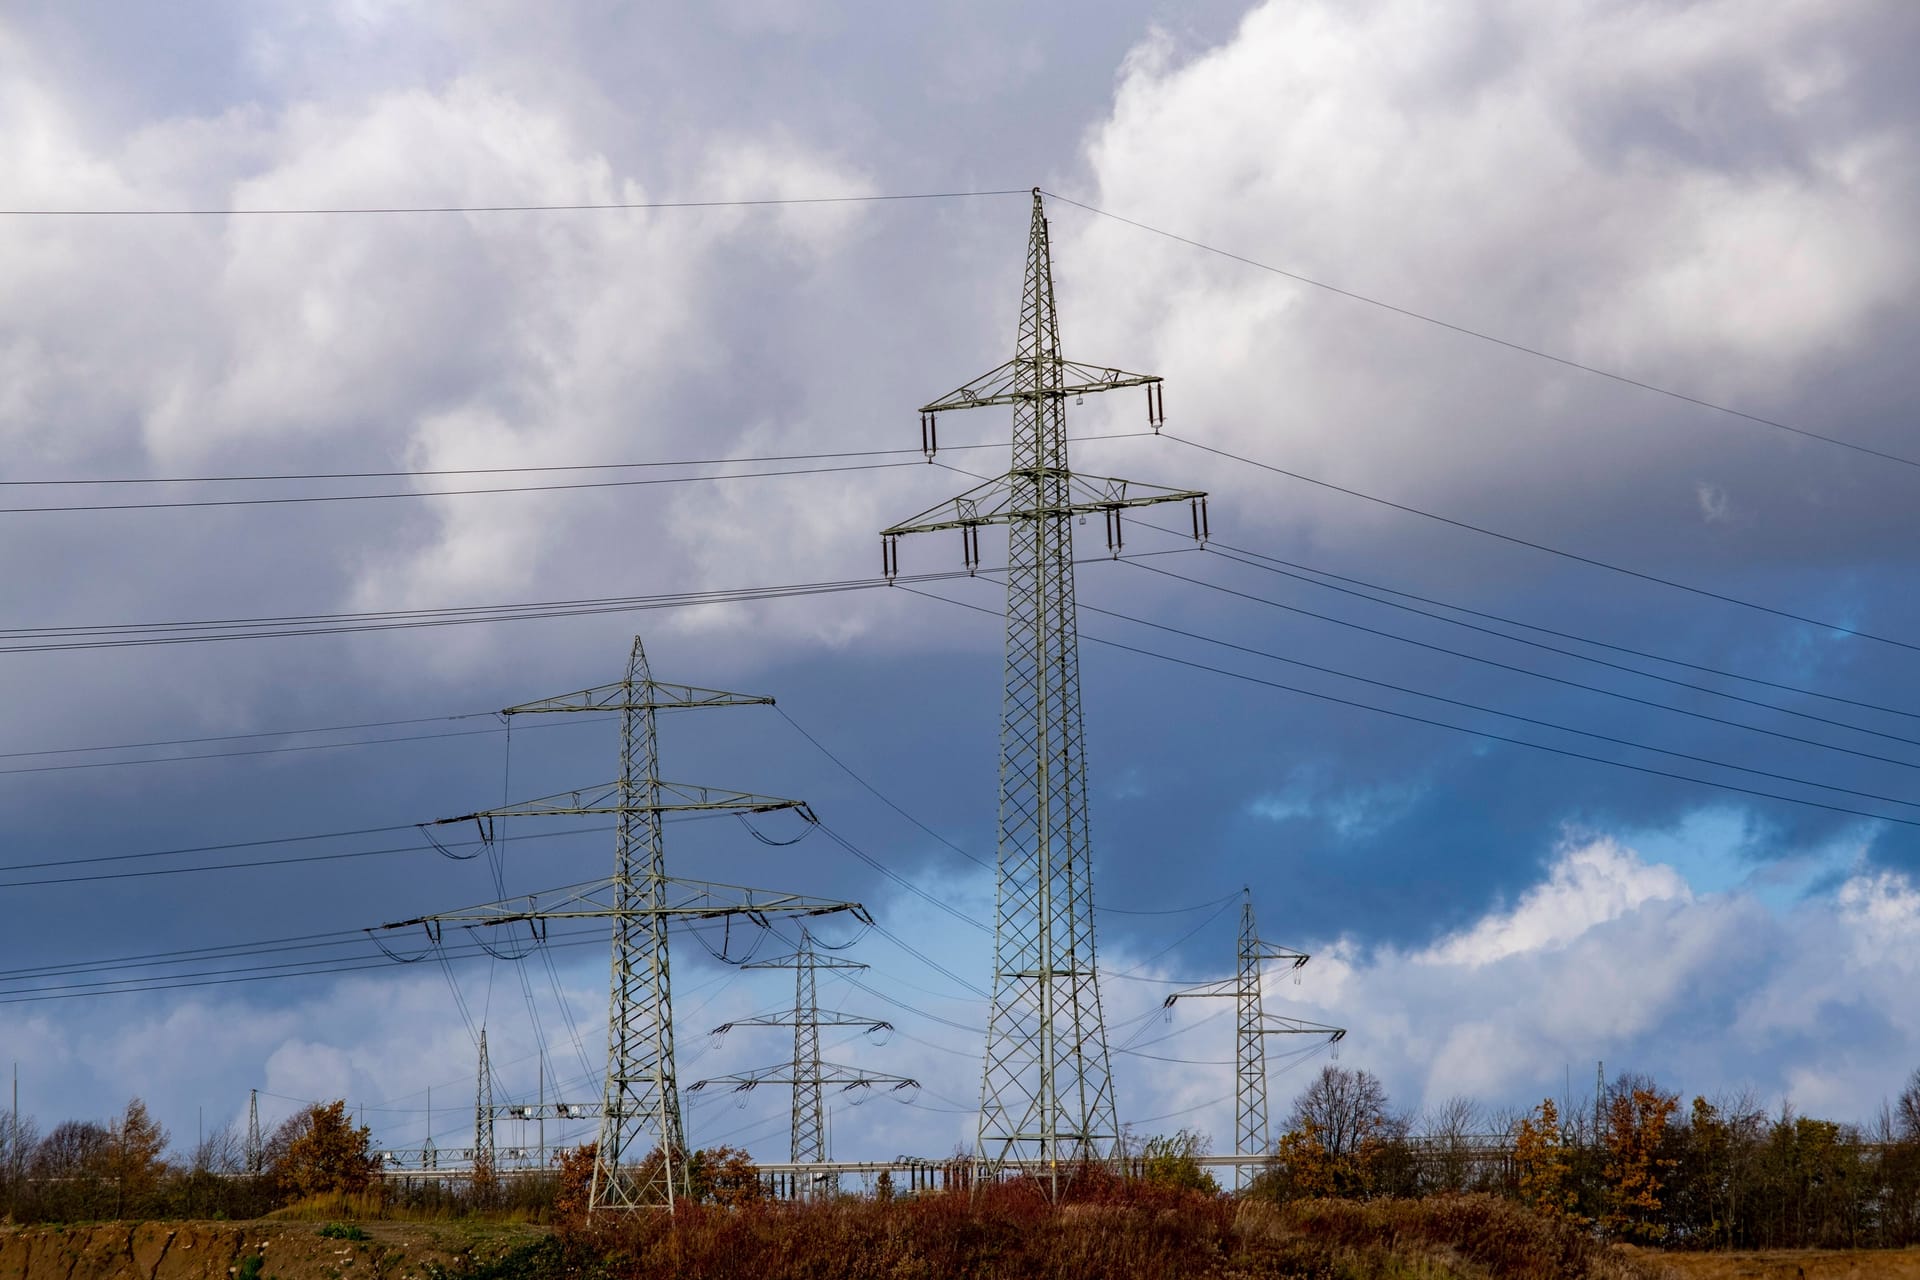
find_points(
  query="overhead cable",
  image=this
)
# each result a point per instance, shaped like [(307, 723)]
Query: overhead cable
[(1509, 344)]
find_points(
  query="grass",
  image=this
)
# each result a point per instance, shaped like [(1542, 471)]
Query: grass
[(373, 1206)]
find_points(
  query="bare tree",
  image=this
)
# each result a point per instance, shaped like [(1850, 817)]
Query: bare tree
[(1345, 1108), (1906, 1111), (1450, 1131)]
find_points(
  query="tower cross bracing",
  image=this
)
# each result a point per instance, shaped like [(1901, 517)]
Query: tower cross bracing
[(1047, 1087)]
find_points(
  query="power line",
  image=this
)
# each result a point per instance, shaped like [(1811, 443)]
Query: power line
[(134, 635), (594, 207), (244, 737), (341, 856), (1541, 546), (848, 769), (1283, 568), (1509, 715), (256, 751), (1509, 344), (1541, 675), (418, 473), (296, 499), (1443, 724)]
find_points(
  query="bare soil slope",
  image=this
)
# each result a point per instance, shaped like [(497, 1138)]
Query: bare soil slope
[(219, 1250), (1797, 1264)]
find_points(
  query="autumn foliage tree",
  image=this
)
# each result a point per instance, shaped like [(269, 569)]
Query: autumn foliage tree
[(1342, 1140), (134, 1158), (319, 1150), (1635, 1168), (1540, 1161)]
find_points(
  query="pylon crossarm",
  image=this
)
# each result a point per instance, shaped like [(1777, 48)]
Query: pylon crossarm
[(1275, 1025), (804, 959), (1274, 951), (1224, 987), (830, 1074), (790, 1020), (1012, 383), (993, 503), (674, 797), (697, 900), (653, 695)]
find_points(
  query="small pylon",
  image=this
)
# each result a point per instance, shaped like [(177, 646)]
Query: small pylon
[(808, 1074), (255, 1151), (483, 1149), (641, 1114), (1252, 1136)]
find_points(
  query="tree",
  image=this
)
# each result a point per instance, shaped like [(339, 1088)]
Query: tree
[(1450, 1130), (1172, 1160), (318, 1150), (1907, 1110), (1341, 1140), (1540, 1160), (1636, 1125), (70, 1166), (1347, 1109), (134, 1157), (573, 1181)]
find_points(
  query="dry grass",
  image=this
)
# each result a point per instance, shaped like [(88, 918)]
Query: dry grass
[(1107, 1230), (1797, 1264)]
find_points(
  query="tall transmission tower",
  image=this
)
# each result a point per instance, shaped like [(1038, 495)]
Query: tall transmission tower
[(1047, 1088), (808, 1074), (483, 1150), (1251, 1133), (641, 1113)]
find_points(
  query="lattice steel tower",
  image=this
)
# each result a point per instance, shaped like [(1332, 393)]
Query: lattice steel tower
[(483, 1111), (808, 1074), (1047, 1093), (641, 1113), (1251, 1134)]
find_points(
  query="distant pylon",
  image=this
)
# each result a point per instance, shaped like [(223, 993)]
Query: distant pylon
[(808, 1075), (1047, 1088), (642, 1112), (483, 1150), (254, 1149), (1252, 1136)]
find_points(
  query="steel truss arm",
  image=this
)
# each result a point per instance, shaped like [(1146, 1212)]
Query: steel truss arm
[(1015, 382), (697, 900), (998, 501), (653, 695), (613, 797), (790, 1020), (830, 1074)]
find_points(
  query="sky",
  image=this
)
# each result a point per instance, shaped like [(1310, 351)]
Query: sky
[(1549, 675)]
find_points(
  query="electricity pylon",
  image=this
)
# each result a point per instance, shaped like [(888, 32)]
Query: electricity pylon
[(255, 1152), (642, 1108), (1251, 1133), (808, 1074), (1047, 1088), (483, 1150)]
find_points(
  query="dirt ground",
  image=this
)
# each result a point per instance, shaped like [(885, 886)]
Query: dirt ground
[(218, 1250), (1795, 1264)]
